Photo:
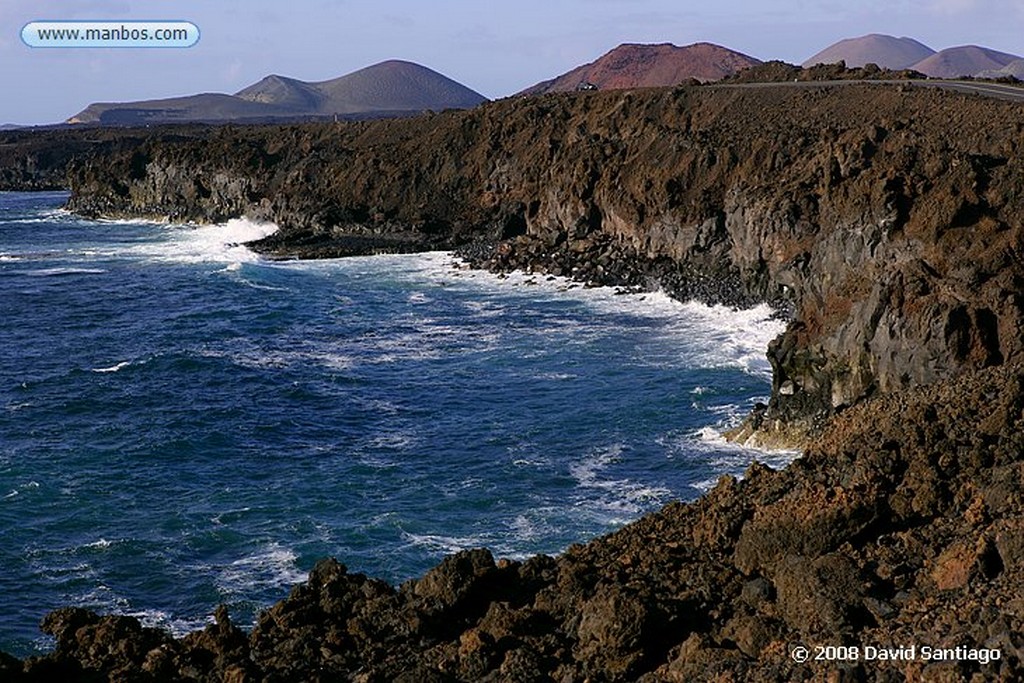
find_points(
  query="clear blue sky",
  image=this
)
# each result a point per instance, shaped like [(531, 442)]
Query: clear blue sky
[(496, 48)]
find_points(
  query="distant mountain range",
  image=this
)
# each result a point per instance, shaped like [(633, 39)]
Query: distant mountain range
[(906, 53), (397, 88), (640, 66), (390, 88)]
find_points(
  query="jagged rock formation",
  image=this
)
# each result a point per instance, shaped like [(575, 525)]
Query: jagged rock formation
[(777, 71), (890, 217), (901, 526), (649, 66)]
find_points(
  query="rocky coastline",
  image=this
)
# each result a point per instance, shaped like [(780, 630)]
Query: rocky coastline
[(886, 217), (884, 220)]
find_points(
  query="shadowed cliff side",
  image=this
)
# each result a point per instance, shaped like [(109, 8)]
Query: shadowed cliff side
[(889, 216)]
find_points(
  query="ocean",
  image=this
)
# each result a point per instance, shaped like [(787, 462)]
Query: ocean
[(184, 423)]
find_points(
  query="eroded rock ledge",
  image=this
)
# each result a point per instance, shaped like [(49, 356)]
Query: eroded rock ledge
[(888, 217)]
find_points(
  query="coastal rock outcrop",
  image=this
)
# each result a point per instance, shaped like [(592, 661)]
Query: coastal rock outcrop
[(885, 218)]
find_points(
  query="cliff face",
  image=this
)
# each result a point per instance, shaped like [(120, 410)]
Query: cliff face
[(890, 218), (37, 159)]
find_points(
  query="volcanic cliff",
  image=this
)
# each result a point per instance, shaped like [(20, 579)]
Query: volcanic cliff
[(886, 216)]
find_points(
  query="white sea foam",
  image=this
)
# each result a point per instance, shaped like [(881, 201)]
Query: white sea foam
[(56, 272), (524, 529), (103, 598), (727, 457), (685, 335), (255, 285), (397, 441), (273, 566), (447, 544), (252, 357), (619, 495), (695, 334), (114, 368), (222, 243), (123, 221), (165, 621)]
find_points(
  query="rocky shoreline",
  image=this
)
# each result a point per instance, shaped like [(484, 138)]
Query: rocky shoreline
[(886, 223), (902, 526)]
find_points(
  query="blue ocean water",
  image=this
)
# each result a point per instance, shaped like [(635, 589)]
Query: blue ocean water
[(184, 424)]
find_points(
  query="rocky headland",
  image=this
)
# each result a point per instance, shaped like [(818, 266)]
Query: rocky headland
[(884, 219)]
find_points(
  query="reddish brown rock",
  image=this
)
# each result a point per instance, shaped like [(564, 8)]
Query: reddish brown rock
[(649, 66)]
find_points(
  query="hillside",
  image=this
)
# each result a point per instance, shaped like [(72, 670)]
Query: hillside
[(888, 52), (645, 66), (1014, 69), (389, 88), (285, 92), (966, 60)]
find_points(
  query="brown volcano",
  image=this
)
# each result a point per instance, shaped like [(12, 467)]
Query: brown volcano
[(645, 66), (887, 52)]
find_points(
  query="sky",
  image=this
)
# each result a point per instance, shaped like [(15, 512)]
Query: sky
[(495, 48)]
